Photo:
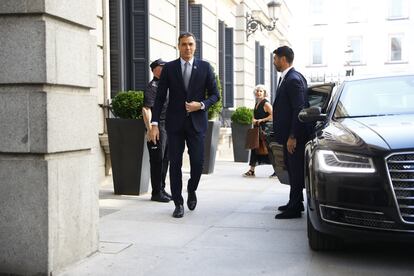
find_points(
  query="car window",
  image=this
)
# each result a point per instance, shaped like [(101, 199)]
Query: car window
[(376, 97), (316, 99), (320, 95)]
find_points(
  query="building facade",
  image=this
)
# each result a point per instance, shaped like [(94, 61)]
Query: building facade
[(61, 62), (141, 31), (338, 38)]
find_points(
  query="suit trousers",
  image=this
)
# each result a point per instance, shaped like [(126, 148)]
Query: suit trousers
[(195, 145), (295, 166), (158, 154)]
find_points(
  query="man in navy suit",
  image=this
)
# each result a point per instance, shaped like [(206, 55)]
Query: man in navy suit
[(192, 89), (291, 97)]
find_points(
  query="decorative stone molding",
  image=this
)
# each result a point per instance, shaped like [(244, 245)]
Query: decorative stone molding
[(103, 140)]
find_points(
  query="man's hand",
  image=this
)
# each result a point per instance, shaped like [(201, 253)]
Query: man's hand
[(291, 145), (154, 134), (192, 106), (148, 136)]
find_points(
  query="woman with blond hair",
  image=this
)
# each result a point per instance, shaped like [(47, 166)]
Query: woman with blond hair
[(262, 114)]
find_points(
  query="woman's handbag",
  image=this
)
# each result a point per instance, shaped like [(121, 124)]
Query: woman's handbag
[(252, 138), (262, 149)]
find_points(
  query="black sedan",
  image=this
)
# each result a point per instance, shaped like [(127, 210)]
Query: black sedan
[(359, 164)]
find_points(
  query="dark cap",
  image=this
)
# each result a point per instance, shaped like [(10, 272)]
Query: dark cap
[(156, 63)]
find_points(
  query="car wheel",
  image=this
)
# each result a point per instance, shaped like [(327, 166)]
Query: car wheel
[(319, 241)]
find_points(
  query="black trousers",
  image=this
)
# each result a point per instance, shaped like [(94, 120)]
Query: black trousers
[(257, 159), (158, 154), (295, 166), (176, 145)]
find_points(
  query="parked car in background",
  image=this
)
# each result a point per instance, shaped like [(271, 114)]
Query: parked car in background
[(359, 164)]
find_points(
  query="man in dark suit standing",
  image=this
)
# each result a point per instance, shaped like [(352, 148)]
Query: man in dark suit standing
[(192, 90), (291, 97)]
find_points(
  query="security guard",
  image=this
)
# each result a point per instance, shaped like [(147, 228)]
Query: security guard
[(157, 152)]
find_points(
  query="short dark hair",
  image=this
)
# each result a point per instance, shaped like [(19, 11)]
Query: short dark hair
[(285, 51), (185, 34)]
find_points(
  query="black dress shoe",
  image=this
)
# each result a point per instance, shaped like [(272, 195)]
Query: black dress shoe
[(192, 201), (289, 214), (166, 194), (160, 198), (178, 211), (285, 207)]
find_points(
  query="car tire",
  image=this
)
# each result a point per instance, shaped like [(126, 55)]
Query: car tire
[(319, 241)]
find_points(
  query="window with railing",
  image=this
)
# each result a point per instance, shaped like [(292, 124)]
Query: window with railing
[(316, 48), (397, 9), (129, 40), (318, 12), (259, 63), (356, 11), (226, 63), (396, 48), (355, 44)]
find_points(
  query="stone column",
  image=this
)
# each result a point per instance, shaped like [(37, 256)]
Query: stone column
[(48, 128)]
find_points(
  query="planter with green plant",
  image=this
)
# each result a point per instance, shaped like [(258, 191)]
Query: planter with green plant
[(129, 154), (241, 121), (213, 133), (215, 110)]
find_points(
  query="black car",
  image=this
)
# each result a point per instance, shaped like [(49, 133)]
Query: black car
[(359, 164)]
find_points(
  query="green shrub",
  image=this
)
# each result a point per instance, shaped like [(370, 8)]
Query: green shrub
[(242, 115), (215, 110), (128, 105)]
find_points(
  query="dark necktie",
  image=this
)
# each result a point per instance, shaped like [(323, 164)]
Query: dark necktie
[(186, 74), (279, 82)]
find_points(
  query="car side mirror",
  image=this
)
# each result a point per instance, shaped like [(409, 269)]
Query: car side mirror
[(311, 114)]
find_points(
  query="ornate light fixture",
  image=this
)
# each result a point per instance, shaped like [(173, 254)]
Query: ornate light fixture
[(253, 20)]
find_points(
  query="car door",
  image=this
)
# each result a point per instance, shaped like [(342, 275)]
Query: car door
[(319, 95)]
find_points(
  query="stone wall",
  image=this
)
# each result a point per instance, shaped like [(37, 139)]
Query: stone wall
[(49, 135)]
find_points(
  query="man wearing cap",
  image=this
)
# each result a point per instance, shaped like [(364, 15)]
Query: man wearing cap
[(157, 151)]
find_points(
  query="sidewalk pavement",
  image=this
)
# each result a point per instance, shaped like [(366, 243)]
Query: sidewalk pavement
[(231, 232)]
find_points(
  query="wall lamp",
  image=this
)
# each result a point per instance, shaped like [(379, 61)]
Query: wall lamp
[(257, 19)]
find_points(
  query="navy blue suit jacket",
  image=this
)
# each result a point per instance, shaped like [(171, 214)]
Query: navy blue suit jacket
[(202, 83), (291, 97)]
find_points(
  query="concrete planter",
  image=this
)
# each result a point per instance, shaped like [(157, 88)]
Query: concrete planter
[(129, 156), (238, 135), (210, 146)]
